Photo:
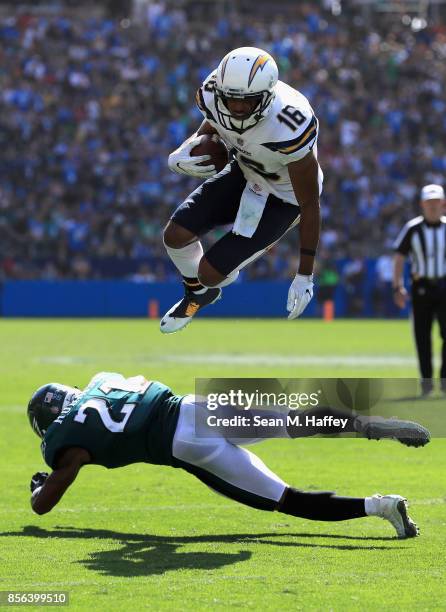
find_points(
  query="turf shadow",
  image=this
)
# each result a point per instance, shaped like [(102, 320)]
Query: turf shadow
[(147, 554)]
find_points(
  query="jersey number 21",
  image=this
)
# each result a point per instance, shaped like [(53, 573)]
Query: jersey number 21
[(101, 406), (137, 384)]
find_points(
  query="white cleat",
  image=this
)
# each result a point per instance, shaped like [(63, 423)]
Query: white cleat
[(393, 508), (406, 432), (181, 313)]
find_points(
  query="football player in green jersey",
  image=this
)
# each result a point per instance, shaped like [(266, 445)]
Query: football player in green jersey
[(117, 421)]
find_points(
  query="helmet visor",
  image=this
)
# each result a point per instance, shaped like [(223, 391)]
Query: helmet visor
[(239, 112), (242, 107)]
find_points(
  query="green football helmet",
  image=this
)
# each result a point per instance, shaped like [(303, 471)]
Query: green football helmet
[(47, 403)]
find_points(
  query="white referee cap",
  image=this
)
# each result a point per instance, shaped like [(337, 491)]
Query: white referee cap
[(432, 192)]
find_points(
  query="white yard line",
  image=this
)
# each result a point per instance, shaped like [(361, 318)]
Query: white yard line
[(362, 361), (63, 359)]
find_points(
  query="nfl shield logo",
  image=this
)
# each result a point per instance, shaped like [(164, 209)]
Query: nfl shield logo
[(240, 141)]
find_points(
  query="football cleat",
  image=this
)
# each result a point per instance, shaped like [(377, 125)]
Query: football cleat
[(406, 432), (182, 312), (393, 508)]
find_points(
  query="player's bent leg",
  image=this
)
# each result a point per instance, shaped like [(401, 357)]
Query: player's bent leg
[(243, 477), (261, 491), (176, 237), (184, 249), (210, 277), (233, 252), (212, 204), (186, 252), (230, 470)]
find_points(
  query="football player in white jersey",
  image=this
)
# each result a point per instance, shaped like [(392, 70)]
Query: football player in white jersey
[(272, 184)]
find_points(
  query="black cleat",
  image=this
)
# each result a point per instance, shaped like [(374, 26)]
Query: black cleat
[(182, 312), (408, 433)]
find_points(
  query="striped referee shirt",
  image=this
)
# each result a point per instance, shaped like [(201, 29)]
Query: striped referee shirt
[(425, 243)]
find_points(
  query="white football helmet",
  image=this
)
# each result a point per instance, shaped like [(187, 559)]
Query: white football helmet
[(243, 73)]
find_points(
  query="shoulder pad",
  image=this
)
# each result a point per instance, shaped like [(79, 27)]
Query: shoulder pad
[(287, 147), (206, 91), (209, 81), (199, 97)]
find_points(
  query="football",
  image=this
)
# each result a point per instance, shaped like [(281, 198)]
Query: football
[(212, 145)]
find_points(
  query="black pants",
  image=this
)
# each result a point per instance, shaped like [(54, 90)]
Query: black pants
[(215, 203), (429, 303)]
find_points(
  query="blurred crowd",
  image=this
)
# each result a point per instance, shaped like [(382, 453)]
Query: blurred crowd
[(91, 108)]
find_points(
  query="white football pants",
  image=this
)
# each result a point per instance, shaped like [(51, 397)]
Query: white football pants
[(220, 463)]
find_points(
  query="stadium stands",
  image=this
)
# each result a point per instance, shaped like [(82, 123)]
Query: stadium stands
[(90, 108)]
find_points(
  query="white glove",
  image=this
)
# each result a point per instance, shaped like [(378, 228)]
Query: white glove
[(180, 160), (299, 295)]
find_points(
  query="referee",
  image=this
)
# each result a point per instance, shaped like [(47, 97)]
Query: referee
[(424, 240)]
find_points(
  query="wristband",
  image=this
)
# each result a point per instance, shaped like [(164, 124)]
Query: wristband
[(311, 252)]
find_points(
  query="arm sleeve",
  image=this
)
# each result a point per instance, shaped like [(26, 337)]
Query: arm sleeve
[(402, 242)]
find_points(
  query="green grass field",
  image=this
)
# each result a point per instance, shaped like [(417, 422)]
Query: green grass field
[(150, 537)]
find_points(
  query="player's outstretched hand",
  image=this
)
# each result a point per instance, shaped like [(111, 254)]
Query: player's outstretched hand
[(299, 295), (38, 480), (182, 162)]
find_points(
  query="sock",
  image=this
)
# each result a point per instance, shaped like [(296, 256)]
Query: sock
[(194, 285), (321, 505), (187, 259), (371, 506)]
